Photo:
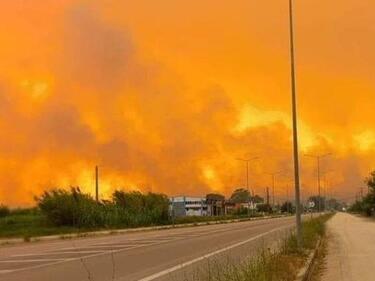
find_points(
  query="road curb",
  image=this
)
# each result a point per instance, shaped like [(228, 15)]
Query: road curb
[(13, 241), (305, 273)]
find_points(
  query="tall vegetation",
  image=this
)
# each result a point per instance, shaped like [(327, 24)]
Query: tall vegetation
[(4, 211), (125, 209), (144, 209), (366, 205), (242, 195)]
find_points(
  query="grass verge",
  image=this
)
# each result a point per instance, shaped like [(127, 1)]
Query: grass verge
[(30, 225), (33, 224), (320, 265)]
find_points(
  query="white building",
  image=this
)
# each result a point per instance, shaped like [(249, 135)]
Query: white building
[(188, 206)]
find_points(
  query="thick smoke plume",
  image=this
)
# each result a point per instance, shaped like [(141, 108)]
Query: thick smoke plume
[(166, 99)]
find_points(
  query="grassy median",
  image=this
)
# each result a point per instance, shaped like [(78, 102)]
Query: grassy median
[(282, 264), (28, 223)]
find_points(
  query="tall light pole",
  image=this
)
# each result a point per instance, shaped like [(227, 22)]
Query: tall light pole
[(247, 161), (318, 158), (273, 175), (97, 183), (327, 189), (295, 127)]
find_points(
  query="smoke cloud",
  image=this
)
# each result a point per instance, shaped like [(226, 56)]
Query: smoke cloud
[(165, 97)]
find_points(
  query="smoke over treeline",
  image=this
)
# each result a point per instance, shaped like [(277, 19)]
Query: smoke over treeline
[(161, 106)]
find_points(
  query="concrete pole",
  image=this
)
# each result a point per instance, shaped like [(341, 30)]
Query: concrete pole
[(273, 190), (295, 129), (319, 187), (97, 183)]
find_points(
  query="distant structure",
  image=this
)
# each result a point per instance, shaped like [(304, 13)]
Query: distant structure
[(182, 206), (210, 205), (215, 204)]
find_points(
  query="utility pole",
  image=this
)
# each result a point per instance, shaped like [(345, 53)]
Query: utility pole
[(273, 175), (97, 183), (273, 190), (247, 180), (268, 196), (318, 158), (295, 128), (287, 198)]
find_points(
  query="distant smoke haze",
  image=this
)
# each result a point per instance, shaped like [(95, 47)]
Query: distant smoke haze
[(165, 96)]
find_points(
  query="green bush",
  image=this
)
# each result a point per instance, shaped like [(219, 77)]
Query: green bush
[(287, 207), (264, 208), (4, 211), (71, 208), (25, 211), (366, 205), (142, 209), (74, 208)]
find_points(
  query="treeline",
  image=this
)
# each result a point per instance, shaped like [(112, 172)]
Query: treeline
[(366, 205), (4, 211), (125, 209)]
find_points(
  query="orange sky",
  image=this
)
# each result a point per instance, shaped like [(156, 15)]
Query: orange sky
[(165, 95)]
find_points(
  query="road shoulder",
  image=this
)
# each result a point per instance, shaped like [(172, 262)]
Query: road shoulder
[(351, 249)]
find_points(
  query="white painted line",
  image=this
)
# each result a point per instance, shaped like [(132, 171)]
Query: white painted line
[(93, 247), (185, 264), (112, 246), (61, 261), (60, 253), (31, 260), (125, 243), (3, 271)]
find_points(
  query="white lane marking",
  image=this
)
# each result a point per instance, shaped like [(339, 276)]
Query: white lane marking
[(3, 271), (128, 243), (59, 253), (61, 261), (185, 264), (113, 246), (96, 246), (32, 260)]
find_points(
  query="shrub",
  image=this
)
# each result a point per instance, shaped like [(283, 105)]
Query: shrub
[(25, 211), (287, 207), (265, 208), (141, 209), (4, 211), (365, 206), (71, 208), (74, 208)]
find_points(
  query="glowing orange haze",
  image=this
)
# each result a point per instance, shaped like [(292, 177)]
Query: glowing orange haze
[(165, 95)]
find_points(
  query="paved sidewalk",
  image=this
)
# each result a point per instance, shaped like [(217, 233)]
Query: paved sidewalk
[(351, 249)]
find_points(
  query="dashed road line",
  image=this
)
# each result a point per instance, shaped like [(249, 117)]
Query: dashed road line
[(31, 260), (3, 271), (58, 253)]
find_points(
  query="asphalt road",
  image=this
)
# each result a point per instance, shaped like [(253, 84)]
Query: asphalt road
[(144, 256)]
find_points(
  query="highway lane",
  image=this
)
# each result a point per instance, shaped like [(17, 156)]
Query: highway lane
[(146, 256)]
